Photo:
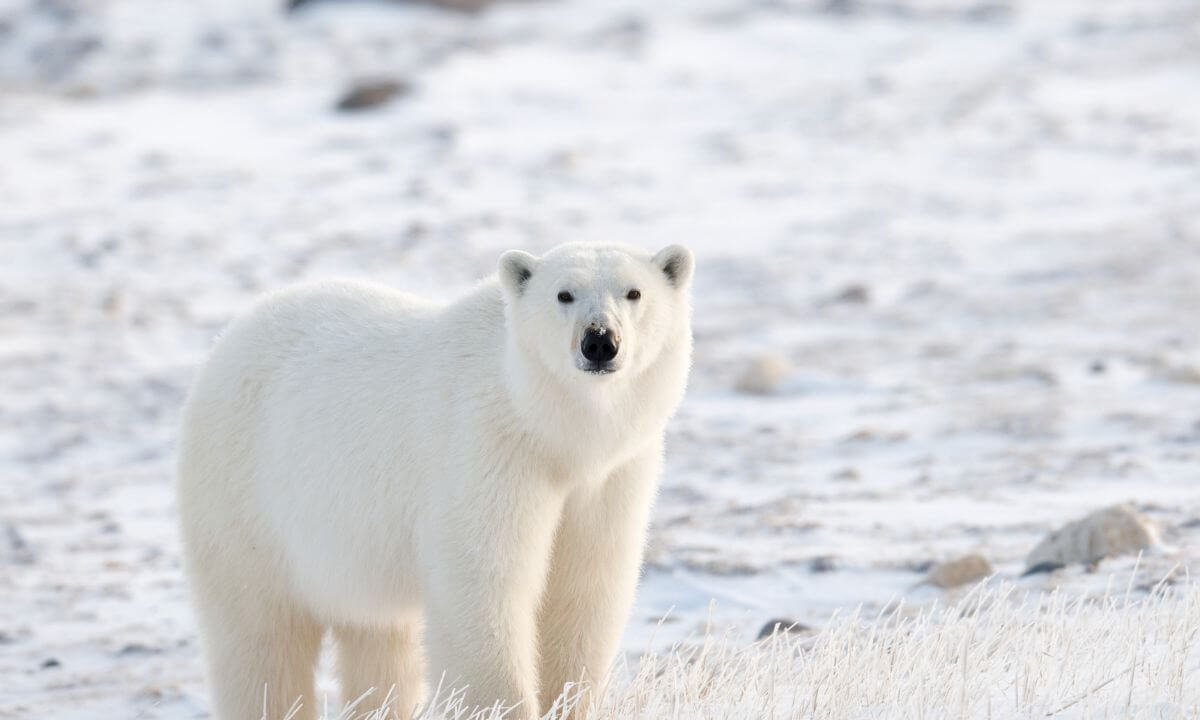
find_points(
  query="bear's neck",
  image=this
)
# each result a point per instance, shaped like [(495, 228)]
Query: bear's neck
[(593, 427)]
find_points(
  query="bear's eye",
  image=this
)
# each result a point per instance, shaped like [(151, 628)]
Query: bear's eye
[(566, 297), (633, 295)]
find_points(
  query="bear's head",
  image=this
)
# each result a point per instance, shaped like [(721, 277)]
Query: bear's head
[(590, 313)]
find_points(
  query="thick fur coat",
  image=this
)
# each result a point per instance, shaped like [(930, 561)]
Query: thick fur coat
[(457, 491)]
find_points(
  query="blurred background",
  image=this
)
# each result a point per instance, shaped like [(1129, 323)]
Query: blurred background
[(946, 298)]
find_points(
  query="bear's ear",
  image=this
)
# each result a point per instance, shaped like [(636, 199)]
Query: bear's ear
[(676, 262), (516, 267)]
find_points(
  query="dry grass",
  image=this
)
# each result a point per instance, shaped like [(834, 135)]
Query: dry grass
[(995, 654)]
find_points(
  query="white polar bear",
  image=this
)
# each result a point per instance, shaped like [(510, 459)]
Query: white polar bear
[(479, 474)]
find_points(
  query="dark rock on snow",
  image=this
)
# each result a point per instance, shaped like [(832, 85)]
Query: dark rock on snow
[(368, 94), (783, 626)]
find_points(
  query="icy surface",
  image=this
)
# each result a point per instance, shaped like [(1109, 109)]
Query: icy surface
[(971, 228)]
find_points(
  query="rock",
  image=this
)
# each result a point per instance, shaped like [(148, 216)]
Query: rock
[(368, 94), (762, 375), (138, 649), (1105, 533), (846, 475), (1043, 567), (822, 564), (871, 435), (853, 294), (960, 571), (1184, 374), (920, 566), (782, 626)]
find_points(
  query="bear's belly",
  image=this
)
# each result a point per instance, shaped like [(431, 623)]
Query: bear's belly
[(343, 498), (354, 576), (346, 521)]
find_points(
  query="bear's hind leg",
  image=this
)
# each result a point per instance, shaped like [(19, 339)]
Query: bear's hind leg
[(261, 660), (380, 660)]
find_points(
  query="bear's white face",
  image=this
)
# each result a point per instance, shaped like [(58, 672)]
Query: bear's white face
[(589, 313)]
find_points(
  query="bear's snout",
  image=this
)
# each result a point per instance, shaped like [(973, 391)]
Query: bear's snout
[(599, 347)]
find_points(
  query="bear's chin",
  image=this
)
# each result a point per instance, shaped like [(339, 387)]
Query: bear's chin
[(597, 370)]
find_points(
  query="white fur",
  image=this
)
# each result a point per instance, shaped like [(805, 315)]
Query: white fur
[(358, 459)]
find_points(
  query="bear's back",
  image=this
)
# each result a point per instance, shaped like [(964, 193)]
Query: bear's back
[(323, 397)]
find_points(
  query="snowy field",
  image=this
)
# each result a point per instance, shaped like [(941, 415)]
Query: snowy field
[(999, 659), (968, 231)]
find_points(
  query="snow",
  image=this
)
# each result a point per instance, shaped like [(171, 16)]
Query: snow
[(1007, 657), (1013, 188)]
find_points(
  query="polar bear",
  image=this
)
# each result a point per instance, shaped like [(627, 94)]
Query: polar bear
[(459, 492)]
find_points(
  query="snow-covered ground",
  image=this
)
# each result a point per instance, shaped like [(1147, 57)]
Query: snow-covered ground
[(971, 228), (1006, 658)]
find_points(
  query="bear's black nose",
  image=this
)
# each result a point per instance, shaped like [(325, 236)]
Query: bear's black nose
[(599, 347)]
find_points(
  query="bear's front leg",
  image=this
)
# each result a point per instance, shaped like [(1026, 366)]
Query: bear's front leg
[(593, 574), (490, 547)]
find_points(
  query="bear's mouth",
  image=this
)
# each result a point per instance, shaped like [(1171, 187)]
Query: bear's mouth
[(599, 368)]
